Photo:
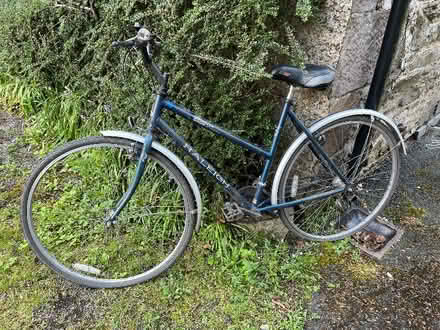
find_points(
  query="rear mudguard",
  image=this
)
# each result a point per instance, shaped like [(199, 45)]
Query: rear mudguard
[(174, 159), (322, 122)]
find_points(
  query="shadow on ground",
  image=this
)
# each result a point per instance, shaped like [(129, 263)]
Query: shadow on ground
[(402, 291)]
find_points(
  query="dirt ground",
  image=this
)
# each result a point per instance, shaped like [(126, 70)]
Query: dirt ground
[(401, 291)]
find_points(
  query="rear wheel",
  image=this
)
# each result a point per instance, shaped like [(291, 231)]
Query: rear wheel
[(70, 195), (372, 176)]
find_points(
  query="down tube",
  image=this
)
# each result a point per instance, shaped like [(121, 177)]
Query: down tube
[(203, 163)]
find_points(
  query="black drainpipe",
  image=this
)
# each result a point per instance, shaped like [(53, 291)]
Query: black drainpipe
[(389, 43)]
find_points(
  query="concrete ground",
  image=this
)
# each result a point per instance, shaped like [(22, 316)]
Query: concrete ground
[(402, 290)]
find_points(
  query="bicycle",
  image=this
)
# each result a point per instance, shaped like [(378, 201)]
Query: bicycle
[(119, 209)]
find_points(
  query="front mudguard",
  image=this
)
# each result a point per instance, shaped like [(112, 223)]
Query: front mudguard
[(322, 122), (174, 159)]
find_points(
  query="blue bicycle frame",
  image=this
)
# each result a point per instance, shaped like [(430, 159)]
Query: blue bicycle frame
[(258, 205)]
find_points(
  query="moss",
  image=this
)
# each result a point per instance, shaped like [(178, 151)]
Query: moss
[(336, 252), (328, 255), (362, 271), (343, 254), (405, 209)]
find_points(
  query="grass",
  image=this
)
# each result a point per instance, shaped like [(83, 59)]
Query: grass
[(252, 282), (255, 281), (194, 294), (54, 118)]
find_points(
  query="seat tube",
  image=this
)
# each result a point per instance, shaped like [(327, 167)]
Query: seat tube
[(275, 142)]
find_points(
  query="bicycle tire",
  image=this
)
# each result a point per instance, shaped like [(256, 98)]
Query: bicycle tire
[(332, 218), (70, 194)]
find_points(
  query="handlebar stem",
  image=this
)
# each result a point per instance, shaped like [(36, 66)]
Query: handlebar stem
[(154, 69), (163, 91)]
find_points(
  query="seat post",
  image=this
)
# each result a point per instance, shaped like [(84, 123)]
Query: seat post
[(290, 97)]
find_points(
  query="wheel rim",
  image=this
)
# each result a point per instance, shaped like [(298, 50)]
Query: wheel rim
[(373, 181), (66, 213)]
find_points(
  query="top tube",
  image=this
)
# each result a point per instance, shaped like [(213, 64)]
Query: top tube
[(181, 111)]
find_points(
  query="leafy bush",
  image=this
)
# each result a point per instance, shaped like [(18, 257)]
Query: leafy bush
[(216, 53)]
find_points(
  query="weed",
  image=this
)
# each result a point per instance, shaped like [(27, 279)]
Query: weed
[(293, 321)]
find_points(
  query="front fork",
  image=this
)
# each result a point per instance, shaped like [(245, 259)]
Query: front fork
[(140, 168)]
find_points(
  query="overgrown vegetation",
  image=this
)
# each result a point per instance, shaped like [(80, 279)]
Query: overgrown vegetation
[(216, 52)]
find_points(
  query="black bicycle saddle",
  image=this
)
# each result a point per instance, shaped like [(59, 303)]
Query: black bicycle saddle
[(312, 76)]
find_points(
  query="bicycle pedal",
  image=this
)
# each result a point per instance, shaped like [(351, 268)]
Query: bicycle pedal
[(232, 212)]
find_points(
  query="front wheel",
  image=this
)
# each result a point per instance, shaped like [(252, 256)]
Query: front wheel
[(372, 175), (68, 199)]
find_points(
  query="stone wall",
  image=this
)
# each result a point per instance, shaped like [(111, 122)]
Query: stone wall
[(412, 94), (348, 34)]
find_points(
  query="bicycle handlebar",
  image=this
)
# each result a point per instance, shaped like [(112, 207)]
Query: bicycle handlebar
[(144, 40), (124, 44)]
